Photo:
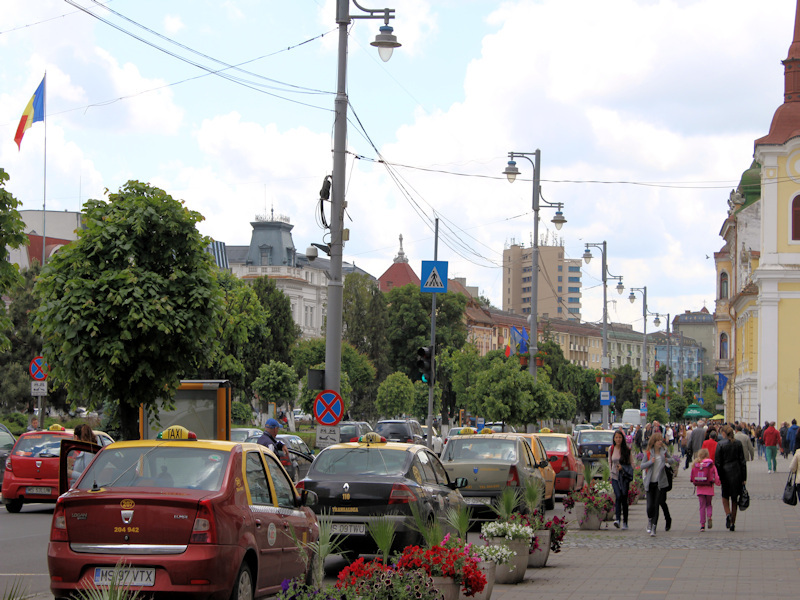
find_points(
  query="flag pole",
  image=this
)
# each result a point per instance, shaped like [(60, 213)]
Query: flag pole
[(44, 184)]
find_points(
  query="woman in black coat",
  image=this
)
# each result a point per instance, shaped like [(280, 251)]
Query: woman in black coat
[(732, 468)]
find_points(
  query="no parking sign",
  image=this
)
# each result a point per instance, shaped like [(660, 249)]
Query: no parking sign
[(328, 408)]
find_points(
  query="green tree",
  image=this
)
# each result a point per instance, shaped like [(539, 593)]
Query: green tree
[(276, 382), (504, 392), (241, 413), (132, 304), (365, 319), (283, 331), (624, 386), (12, 236), (420, 409), (395, 396)]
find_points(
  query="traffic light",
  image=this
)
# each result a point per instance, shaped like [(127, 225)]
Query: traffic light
[(425, 363)]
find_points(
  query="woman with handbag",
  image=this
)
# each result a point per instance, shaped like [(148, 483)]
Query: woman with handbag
[(732, 469), (619, 458), (655, 480)]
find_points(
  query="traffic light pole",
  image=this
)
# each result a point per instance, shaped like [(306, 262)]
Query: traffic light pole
[(432, 382)]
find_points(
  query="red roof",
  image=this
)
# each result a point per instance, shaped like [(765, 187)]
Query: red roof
[(398, 275)]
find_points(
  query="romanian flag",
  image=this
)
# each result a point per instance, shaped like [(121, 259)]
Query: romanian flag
[(33, 112)]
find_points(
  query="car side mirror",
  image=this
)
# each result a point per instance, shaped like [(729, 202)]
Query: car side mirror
[(308, 498), (460, 482), (553, 459), (543, 464)]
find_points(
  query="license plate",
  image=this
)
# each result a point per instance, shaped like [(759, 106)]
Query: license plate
[(477, 500), (349, 528), (142, 577), (38, 490)]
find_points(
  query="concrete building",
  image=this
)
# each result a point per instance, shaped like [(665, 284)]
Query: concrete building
[(559, 282), (62, 228), (698, 326)]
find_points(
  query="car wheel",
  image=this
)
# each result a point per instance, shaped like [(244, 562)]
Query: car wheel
[(14, 506), (243, 586), (550, 503)]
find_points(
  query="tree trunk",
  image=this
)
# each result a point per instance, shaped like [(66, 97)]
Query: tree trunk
[(129, 420)]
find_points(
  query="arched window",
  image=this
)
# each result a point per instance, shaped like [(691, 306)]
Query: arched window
[(796, 219), (723, 286), (723, 346)]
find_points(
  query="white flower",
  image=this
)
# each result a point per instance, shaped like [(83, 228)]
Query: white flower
[(500, 554), (509, 531)]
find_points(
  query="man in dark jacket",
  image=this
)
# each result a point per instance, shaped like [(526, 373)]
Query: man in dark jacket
[(784, 430), (791, 439), (697, 438)]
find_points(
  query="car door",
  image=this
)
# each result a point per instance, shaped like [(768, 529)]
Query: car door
[(266, 521), (292, 519), (449, 498), (527, 462)]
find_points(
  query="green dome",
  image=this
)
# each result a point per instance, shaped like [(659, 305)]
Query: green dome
[(750, 184)]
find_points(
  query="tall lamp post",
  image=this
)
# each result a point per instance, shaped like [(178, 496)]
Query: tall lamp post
[(385, 42), (657, 322), (645, 364), (605, 365), (511, 171)]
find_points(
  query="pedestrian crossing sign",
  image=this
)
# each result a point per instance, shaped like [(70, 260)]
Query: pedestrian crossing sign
[(434, 276)]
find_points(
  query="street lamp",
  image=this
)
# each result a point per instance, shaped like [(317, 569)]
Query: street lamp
[(657, 323), (385, 42), (511, 171), (645, 364), (587, 257)]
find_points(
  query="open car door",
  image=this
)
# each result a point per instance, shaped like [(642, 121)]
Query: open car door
[(72, 453)]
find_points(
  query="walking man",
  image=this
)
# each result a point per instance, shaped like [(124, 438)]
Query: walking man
[(772, 441)]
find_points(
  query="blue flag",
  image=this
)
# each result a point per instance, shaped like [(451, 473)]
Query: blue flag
[(722, 382)]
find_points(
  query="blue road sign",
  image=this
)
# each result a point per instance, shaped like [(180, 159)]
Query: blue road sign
[(605, 398), (328, 408), (433, 276)]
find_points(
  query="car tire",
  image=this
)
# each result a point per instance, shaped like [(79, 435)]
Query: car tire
[(243, 586), (14, 506), (550, 503)]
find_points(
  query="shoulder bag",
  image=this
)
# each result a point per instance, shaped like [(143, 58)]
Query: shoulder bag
[(744, 499), (790, 491)]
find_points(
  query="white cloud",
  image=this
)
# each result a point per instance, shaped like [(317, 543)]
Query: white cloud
[(173, 24)]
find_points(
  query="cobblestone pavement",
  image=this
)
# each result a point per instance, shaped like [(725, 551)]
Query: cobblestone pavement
[(760, 559)]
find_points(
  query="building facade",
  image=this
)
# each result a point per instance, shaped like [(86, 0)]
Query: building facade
[(698, 326)]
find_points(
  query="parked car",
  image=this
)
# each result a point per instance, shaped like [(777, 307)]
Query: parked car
[(436, 441), (360, 482), (300, 455), (31, 469), (240, 434), (500, 427), (299, 415), (451, 432), (191, 519), (491, 463), (545, 469), (353, 429), (593, 444), (581, 427), (7, 441), (407, 431), (568, 466)]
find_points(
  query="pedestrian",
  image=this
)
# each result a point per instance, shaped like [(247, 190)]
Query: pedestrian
[(772, 442), (619, 455), (697, 438), (760, 442), (732, 468), (795, 464), (638, 439), (655, 480), (791, 439), (704, 476), (269, 439), (711, 444), (747, 445), (784, 430), (34, 426), (81, 433)]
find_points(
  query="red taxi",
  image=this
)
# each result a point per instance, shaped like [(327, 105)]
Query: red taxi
[(568, 465), (31, 471), (184, 518)]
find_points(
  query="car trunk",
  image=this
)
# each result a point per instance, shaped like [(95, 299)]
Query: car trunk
[(483, 476), (379, 496), (557, 464)]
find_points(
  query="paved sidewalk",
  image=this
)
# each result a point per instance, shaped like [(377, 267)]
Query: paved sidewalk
[(758, 560)]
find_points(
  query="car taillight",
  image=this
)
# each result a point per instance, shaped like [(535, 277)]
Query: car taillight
[(58, 531), (204, 530), (299, 485), (401, 494), (513, 477), (8, 463)]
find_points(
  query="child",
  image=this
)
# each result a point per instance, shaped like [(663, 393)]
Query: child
[(704, 477)]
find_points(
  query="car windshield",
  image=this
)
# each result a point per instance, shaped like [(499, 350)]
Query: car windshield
[(554, 444), (157, 466), (364, 461), (346, 432), (42, 445), (240, 435), (6, 441), (388, 430), (488, 448), (597, 437)]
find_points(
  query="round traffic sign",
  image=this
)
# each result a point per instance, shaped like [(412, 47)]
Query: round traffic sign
[(38, 369), (328, 408)]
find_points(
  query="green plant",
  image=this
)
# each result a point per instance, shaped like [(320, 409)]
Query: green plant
[(459, 519), (507, 503), (590, 471), (431, 530), (382, 531), (16, 591), (532, 495), (116, 589), (326, 545), (605, 470)]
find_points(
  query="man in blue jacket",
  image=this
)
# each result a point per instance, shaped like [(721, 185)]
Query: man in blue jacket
[(791, 438)]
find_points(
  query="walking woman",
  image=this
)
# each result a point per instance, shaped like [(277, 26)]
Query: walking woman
[(619, 455), (732, 469), (655, 480)]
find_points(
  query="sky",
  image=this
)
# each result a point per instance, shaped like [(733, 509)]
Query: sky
[(645, 112)]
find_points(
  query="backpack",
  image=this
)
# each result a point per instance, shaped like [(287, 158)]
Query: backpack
[(704, 473)]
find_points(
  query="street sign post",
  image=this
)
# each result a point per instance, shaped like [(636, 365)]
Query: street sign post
[(328, 408), (38, 388), (327, 436), (434, 276), (38, 369), (605, 398)]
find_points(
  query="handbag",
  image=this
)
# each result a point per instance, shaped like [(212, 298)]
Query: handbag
[(626, 473), (744, 499), (790, 491)]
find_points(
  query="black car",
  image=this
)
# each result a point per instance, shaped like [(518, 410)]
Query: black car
[(592, 444), (359, 482), (407, 431), (353, 429), (7, 440)]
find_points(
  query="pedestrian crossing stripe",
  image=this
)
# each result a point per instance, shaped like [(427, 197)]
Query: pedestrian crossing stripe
[(434, 281)]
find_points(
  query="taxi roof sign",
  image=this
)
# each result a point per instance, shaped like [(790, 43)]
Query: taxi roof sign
[(176, 432), (372, 438), (56, 427), (467, 431), (486, 430), (545, 430)]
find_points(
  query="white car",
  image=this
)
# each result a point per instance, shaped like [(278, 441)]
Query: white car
[(437, 443)]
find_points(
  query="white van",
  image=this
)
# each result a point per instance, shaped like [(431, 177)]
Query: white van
[(632, 415)]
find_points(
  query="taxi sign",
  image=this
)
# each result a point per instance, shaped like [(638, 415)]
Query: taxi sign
[(487, 430), (372, 438), (545, 430), (176, 432), (467, 431), (56, 427)]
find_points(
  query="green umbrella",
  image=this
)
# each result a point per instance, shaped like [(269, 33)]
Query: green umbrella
[(695, 410)]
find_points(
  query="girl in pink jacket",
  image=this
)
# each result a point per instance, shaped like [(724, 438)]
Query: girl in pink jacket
[(704, 477)]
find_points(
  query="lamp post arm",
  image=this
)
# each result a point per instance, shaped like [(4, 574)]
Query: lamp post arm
[(373, 13)]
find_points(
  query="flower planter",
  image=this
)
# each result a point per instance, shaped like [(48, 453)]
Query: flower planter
[(447, 586), (609, 515), (489, 569), (591, 520), (539, 362), (523, 361), (538, 558), (514, 570)]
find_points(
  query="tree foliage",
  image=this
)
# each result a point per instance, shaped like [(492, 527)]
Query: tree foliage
[(12, 236), (132, 304), (421, 395), (283, 332), (395, 396), (276, 383)]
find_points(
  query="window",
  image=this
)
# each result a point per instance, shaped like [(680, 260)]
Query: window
[(723, 285), (573, 300), (560, 268), (559, 289), (560, 278), (574, 290), (573, 269), (574, 279), (796, 218), (572, 310), (723, 346), (283, 488), (257, 480), (560, 310)]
